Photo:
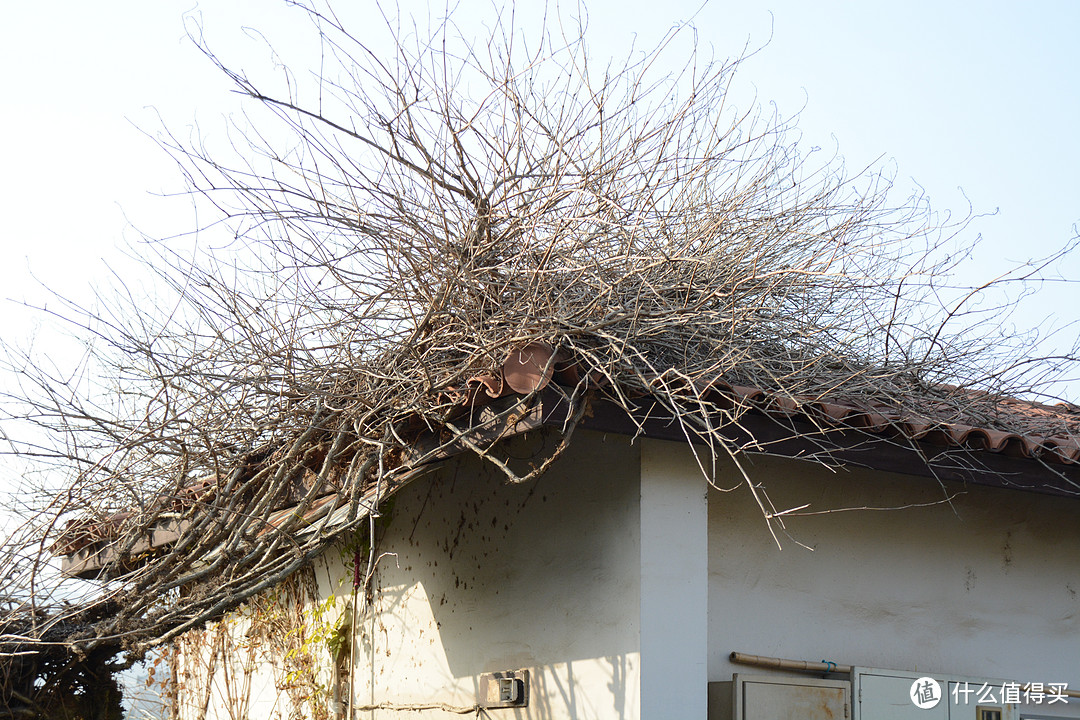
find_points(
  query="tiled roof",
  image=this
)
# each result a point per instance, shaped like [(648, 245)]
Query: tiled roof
[(946, 416), (1045, 435)]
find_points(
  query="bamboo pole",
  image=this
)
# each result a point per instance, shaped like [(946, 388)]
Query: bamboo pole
[(826, 666)]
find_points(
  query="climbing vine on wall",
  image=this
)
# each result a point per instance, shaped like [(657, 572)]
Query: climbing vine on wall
[(288, 638)]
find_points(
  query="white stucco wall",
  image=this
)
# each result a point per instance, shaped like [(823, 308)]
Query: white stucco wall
[(986, 585), (481, 576), (576, 577), (270, 658), (674, 584)]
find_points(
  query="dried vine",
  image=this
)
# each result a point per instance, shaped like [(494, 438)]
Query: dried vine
[(412, 221)]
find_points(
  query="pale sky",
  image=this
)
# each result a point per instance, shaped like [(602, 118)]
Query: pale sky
[(982, 96)]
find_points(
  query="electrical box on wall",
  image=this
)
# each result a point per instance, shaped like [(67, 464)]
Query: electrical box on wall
[(506, 689), (769, 697), (876, 694)]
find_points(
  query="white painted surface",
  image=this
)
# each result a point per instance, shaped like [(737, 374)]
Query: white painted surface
[(623, 593), (487, 576), (766, 697), (238, 668), (988, 586), (674, 584)]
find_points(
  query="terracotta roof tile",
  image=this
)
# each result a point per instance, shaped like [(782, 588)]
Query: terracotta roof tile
[(1049, 433)]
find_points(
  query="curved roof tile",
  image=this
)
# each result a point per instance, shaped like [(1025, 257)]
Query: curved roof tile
[(1050, 433)]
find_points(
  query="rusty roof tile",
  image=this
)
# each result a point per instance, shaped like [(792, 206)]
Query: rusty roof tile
[(1049, 433)]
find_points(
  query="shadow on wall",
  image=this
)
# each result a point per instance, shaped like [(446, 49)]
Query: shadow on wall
[(557, 691), (905, 573), (483, 576)]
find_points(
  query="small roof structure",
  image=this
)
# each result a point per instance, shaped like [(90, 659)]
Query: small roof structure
[(535, 388)]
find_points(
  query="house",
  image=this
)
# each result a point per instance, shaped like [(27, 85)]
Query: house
[(925, 564)]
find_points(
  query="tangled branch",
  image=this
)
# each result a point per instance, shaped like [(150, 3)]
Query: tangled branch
[(398, 227)]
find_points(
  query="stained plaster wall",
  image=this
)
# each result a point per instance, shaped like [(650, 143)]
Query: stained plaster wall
[(478, 575), (219, 674), (270, 658), (985, 585)]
